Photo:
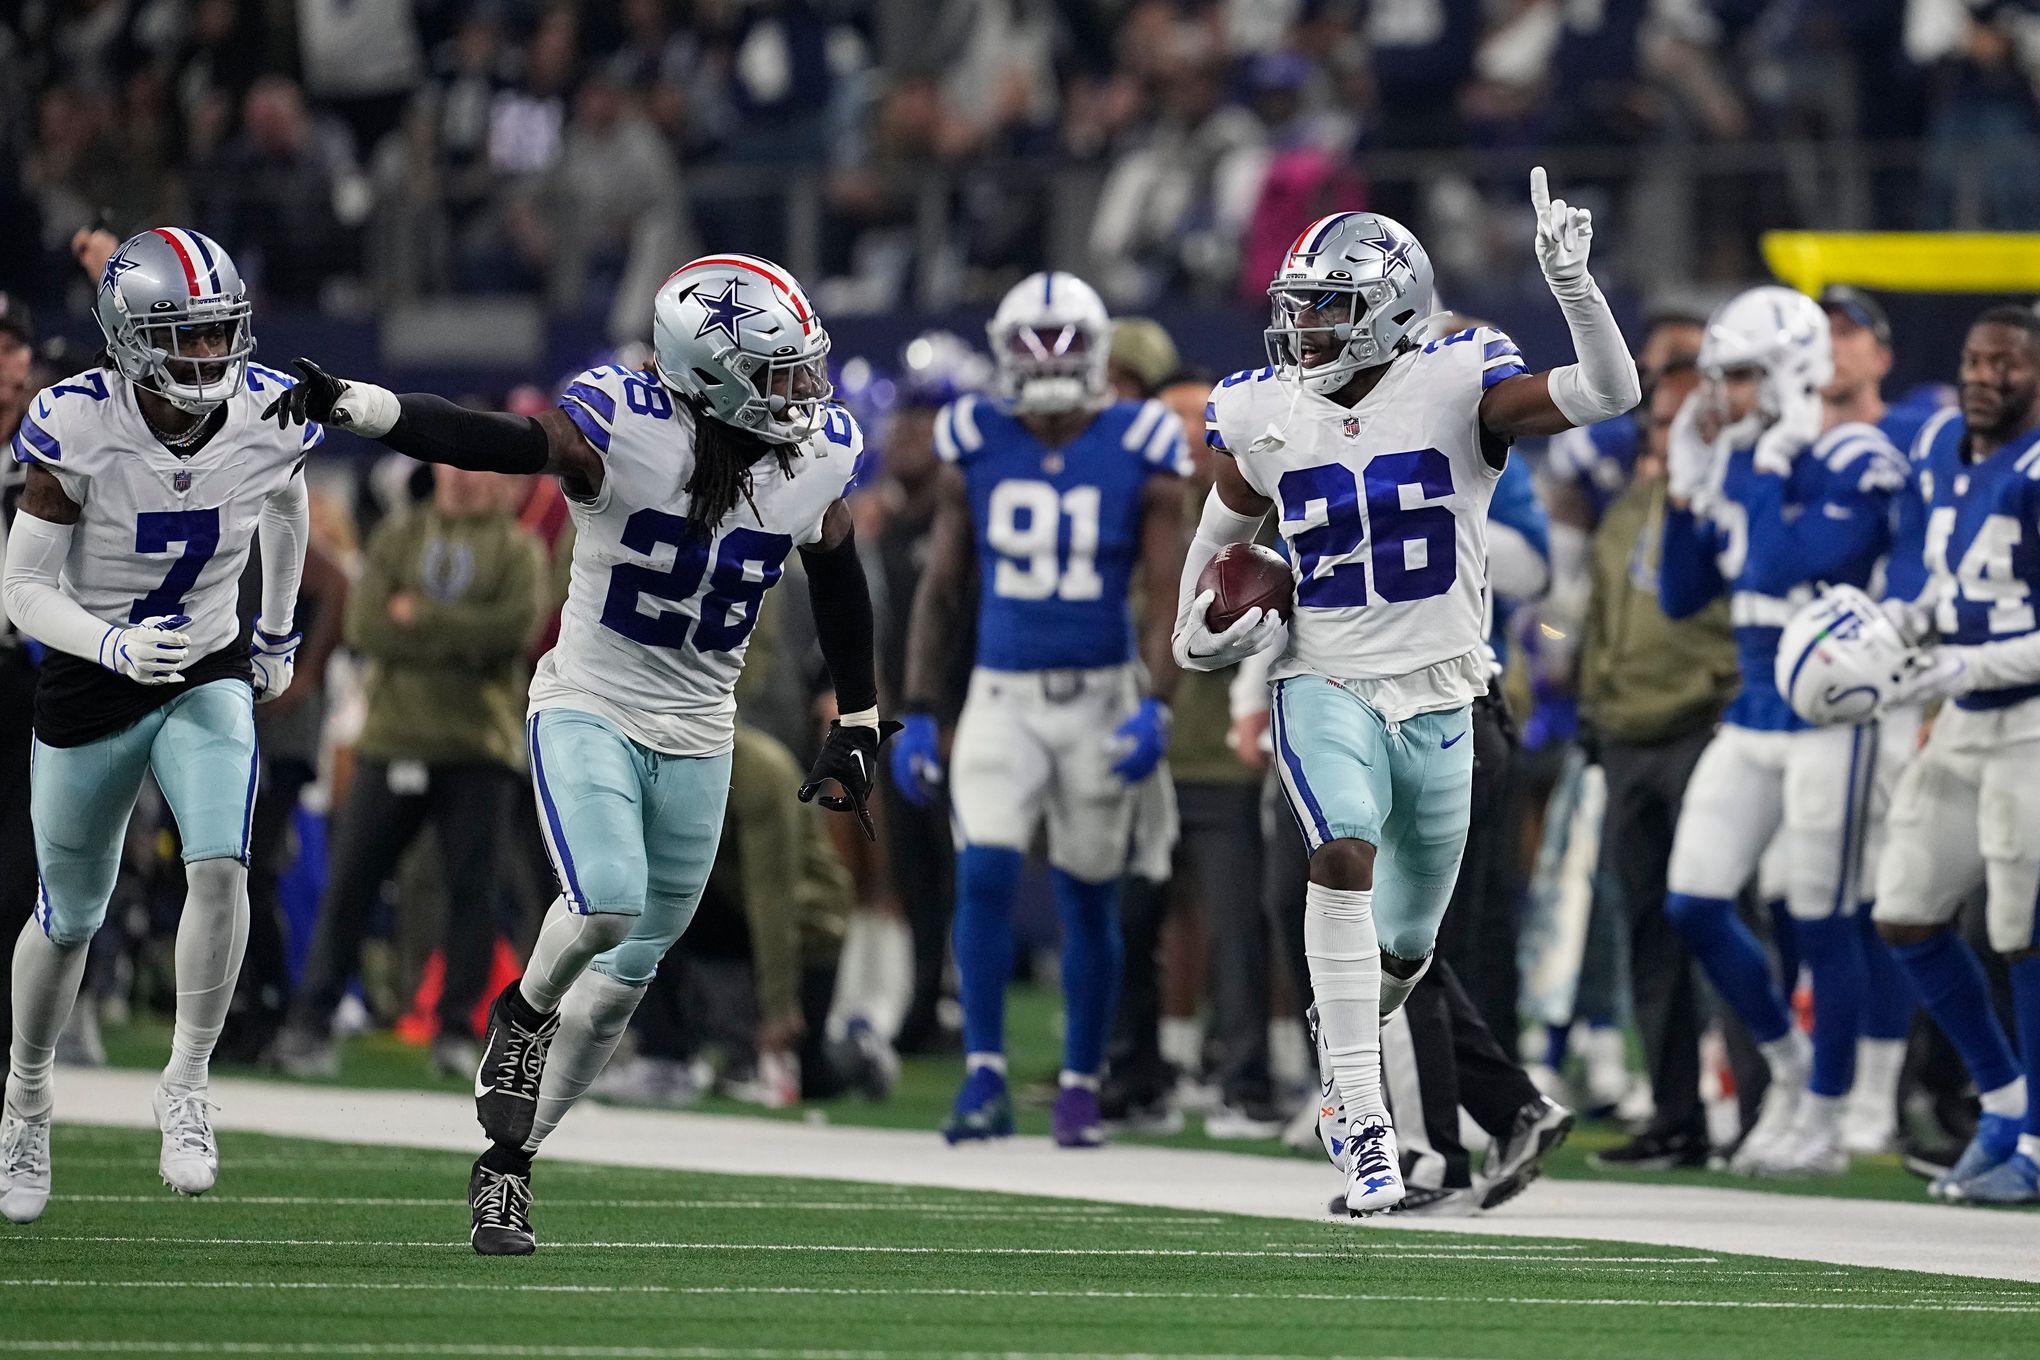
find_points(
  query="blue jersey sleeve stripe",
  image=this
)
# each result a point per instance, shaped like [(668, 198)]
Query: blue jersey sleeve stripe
[(1214, 440), (21, 450), (315, 435), (584, 420), (39, 439), (1496, 373), (595, 399)]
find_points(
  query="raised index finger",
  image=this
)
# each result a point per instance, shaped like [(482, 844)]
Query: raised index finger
[(1540, 190)]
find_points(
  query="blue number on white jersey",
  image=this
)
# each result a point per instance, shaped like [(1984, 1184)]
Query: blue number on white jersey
[(1414, 556)]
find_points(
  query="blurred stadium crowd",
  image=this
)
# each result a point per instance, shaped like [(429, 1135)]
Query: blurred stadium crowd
[(921, 152)]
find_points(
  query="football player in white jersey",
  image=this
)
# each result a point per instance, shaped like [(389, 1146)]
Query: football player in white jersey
[(1378, 446), (689, 483), (148, 479)]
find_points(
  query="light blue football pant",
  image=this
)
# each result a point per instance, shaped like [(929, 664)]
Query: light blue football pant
[(631, 831), (1405, 788), (201, 748)]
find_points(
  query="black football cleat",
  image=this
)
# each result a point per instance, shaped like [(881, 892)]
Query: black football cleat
[(513, 1060), (1540, 1127), (499, 1196)]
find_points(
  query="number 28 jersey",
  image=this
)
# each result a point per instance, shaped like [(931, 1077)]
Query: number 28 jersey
[(659, 612), (1057, 530), (1383, 507)]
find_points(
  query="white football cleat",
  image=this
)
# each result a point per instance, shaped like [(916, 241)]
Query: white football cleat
[(24, 1167), (1807, 1151), (1374, 1181), (191, 1156)]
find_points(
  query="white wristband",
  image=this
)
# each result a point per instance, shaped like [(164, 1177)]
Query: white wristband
[(866, 718), (366, 409)]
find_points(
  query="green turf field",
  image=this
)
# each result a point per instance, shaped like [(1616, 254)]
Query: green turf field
[(354, 1250), (928, 1084)]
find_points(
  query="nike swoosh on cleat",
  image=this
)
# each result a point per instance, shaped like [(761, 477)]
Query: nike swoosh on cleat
[(1448, 743), (481, 1091)]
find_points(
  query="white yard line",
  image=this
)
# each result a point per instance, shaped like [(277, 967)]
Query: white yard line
[(1941, 1239)]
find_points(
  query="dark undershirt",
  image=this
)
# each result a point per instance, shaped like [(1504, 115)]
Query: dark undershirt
[(78, 701)]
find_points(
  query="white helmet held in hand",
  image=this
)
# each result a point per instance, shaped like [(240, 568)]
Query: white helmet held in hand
[(1840, 658), (1780, 331), (1051, 338), (737, 334)]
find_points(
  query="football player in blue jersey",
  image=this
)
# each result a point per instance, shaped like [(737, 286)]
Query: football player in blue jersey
[(1053, 495), (1772, 494), (1860, 339), (1965, 812)]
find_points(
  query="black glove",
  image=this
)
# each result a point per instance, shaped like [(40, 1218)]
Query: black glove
[(309, 400), (850, 757)]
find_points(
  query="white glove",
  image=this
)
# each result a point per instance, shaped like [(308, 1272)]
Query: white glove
[(1931, 673), (1197, 648), (1689, 459), (150, 652), (1564, 235), (1791, 434), (1913, 619), (275, 661)]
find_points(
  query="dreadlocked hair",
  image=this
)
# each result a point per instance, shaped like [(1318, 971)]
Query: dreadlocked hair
[(723, 459)]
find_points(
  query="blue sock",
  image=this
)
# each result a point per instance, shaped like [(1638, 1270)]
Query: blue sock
[(1733, 960), (2026, 1010), (1091, 956), (1834, 955), (986, 880), (1951, 985), (1557, 1040), (1785, 944), (1888, 996)]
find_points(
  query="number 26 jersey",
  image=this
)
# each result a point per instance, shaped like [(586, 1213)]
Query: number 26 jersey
[(659, 612), (1383, 507)]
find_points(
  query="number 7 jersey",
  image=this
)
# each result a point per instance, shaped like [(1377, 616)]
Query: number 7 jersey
[(1384, 510), (659, 612)]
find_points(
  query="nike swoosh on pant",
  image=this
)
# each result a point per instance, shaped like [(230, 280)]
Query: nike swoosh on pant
[(1448, 743)]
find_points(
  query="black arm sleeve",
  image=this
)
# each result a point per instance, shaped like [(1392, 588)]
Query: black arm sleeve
[(437, 431), (844, 622)]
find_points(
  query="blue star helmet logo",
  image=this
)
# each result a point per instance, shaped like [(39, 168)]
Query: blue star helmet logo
[(724, 312), (1393, 250), (116, 265)]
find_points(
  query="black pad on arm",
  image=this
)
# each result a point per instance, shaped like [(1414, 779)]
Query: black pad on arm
[(437, 431)]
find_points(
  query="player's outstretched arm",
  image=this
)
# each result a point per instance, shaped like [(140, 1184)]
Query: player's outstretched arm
[(435, 430), (1604, 382), (845, 626), (151, 652), (1232, 514)]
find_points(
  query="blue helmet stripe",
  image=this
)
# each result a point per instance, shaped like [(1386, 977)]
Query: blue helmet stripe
[(1048, 288), (1317, 242), (205, 253)]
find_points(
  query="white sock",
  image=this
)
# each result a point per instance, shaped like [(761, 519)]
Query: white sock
[(46, 978), (211, 937), (1878, 1063), (2029, 1145), (1087, 1080), (1344, 954), (567, 943), (2008, 1100), (875, 975), (593, 1016), (1822, 1114), (1182, 1043), (1790, 1053), (996, 1061)]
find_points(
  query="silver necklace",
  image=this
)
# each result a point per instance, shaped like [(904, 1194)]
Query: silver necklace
[(177, 443)]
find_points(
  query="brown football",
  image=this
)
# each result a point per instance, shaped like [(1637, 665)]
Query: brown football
[(1245, 576)]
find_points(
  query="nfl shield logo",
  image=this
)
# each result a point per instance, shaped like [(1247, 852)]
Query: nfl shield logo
[(180, 482), (1351, 425)]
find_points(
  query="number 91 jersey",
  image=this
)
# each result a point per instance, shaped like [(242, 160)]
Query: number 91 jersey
[(659, 612), (161, 535), (1057, 530), (1384, 508)]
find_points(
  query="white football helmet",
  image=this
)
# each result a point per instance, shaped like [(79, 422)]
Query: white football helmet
[(1364, 283), (737, 334), (1051, 338), (1840, 657), (1779, 330)]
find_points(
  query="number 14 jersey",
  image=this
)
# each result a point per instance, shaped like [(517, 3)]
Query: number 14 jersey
[(659, 612), (1383, 507)]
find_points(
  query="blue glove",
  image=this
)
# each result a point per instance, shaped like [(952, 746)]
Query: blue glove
[(1141, 741), (917, 760)]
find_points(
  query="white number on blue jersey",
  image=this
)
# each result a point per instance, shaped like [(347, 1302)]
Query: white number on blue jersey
[(1985, 575), (1024, 527)]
